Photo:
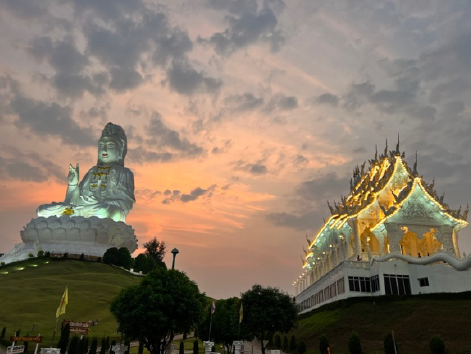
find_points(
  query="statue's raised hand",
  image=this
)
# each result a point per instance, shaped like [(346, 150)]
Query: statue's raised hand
[(73, 178)]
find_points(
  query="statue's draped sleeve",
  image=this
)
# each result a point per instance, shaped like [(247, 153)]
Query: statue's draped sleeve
[(122, 194)]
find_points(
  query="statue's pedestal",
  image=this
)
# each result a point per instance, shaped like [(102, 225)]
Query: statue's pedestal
[(74, 235)]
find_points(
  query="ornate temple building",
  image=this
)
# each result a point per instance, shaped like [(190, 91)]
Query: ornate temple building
[(392, 234)]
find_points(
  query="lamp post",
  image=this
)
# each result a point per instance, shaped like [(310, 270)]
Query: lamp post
[(174, 252)]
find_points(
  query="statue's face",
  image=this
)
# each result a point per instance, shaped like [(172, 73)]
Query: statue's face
[(108, 151)]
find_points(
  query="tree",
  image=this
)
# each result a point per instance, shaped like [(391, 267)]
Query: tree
[(155, 249), (437, 346), (195, 347), (266, 311), (144, 263), (164, 303), (103, 346), (111, 256), (225, 323), (64, 339), (93, 346), (389, 343), (74, 345), (277, 342), (285, 344), (292, 344), (323, 345), (181, 350), (354, 345), (124, 258), (140, 350), (301, 347)]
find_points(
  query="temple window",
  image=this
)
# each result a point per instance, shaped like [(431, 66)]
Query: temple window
[(423, 282), (397, 284)]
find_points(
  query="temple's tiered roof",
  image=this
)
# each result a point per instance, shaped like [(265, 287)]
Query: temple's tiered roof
[(381, 191)]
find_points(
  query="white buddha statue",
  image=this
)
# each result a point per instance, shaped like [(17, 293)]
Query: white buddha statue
[(107, 190)]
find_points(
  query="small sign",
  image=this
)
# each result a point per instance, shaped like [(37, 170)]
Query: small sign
[(17, 349), (77, 327), (26, 339)]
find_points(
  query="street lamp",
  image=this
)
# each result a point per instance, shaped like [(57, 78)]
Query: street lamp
[(174, 252)]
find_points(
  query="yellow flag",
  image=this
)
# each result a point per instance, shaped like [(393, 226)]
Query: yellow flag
[(63, 303), (241, 312)]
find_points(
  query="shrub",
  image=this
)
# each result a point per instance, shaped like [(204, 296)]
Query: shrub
[(47, 254), (113, 343), (285, 344), (82, 257), (323, 344), (292, 344), (40, 253), (99, 259), (140, 350), (389, 344), (65, 255), (277, 342), (301, 348), (103, 346), (93, 346), (182, 348), (64, 339), (195, 347), (30, 255), (2, 264), (74, 345), (111, 256), (354, 345), (437, 346), (3, 332)]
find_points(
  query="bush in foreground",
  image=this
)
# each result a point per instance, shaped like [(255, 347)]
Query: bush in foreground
[(323, 344), (354, 345), (437, 346), (389, 344)]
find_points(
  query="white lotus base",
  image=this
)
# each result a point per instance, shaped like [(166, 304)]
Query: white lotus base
[(74, 235)]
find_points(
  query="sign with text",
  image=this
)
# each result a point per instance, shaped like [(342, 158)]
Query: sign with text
[(17, 349), (27, 339), (77, 327)]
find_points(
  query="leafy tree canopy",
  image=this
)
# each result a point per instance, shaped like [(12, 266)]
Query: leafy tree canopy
[(164, 303), (266, 311), (155, 249)]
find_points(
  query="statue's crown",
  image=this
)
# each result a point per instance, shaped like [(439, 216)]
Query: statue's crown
[(114, 130)]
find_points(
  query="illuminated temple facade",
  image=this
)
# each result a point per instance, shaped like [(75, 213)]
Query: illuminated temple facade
[(391, 235)]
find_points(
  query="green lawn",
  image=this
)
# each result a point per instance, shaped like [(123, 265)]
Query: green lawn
[(413, 319), (30, 293)]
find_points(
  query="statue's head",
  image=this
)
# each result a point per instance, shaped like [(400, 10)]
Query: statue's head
[(112, 146)]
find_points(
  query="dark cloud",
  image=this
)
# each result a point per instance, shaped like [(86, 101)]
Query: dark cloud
[(359, 150), (257, 169), (327, 99), (163, 137), (28, 166), (323, 188), (244, 102), (293, 221), (143, 155), (45, 118), (25, 10), (184, 79), (176, 195), (248, 23), (300, 160), (281, 102), (147, 194)]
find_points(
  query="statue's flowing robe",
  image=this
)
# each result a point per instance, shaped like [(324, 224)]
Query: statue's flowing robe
[(113, 188)]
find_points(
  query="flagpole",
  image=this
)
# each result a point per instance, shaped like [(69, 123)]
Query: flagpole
[(210, 324), (55, 329)]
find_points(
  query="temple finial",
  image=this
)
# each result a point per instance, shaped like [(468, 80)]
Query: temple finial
[(376, 152), (397, 146), (386, 149), (415, 164)]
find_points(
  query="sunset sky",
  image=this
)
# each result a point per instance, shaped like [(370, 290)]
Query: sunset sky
[(243, 117)]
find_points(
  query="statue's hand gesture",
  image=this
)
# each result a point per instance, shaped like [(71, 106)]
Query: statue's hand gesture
[(73, 178)]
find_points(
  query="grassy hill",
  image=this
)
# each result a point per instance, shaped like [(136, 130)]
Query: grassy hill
[(414, 320), (30, 293)]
